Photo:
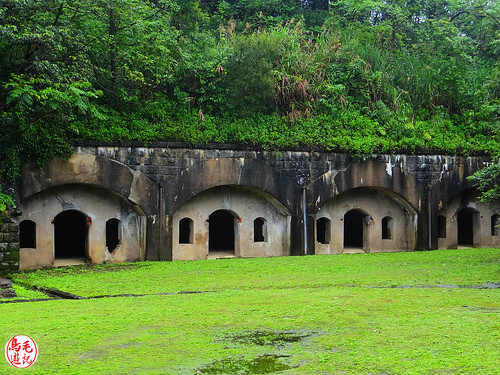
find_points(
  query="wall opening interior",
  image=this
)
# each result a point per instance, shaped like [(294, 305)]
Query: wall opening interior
[(221, 231), (441, 226), (495, 225), (27, 234), (353, 228), (260, 230), (186, 231), (387, 228), (465, 227), (70, 235), (323, 230), (113, 234)]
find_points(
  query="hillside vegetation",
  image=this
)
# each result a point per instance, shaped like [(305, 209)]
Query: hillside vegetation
[(355, 76)]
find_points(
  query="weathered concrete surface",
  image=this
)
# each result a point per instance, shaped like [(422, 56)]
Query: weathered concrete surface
[(376, 204), (163, 183), (97, 204), (246, 205)]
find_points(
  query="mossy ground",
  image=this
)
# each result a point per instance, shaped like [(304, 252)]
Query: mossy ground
[(347, 314)]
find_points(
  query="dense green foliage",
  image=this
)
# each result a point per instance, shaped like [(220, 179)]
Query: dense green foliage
[(356, 76), (487, 181)]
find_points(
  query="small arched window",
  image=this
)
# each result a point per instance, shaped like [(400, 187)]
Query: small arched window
[(441, 226), (260, 230), (27, 234), (113, 234), (387, 228), (495, 225), (186, 231), (323, 230)]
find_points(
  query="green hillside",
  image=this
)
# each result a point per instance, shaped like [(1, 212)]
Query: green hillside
[(413, 76)]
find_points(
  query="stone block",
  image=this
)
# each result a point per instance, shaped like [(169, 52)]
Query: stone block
[(11, 256), (10, 237), (14, 246), (5, 283), (7, 293)]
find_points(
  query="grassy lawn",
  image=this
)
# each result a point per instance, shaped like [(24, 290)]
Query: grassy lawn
[(402, 313)]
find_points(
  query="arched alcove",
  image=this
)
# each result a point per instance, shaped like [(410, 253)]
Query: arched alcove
[(260, 230), (323, 230), (70, 235), (113, 234), (354, 228), (186, 231), (27, 234), (221, 231), (387, 228), (495, 225), (465, 226), (441, 226)]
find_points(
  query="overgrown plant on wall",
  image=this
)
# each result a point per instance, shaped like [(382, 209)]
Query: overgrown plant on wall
[(350, 76)]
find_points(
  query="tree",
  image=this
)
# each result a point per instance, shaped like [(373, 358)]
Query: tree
[(487, 181)]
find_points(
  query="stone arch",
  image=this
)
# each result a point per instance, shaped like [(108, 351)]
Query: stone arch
[(356, 213), (85, 169), (468, 221), (385, 173), (245, 205), (101, 207), (212, 173)]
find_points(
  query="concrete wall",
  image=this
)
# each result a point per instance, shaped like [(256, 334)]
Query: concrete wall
[(375, 204), (96, 203), (246, 205), (158, 185)]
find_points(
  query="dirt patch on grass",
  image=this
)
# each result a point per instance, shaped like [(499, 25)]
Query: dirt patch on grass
[(271, 338), (264, 364)]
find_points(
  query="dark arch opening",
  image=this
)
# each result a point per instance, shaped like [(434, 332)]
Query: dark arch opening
[(112, 234), (27, 234), (186, 231), (323, 230), (353, 228), (465, 227), (221, 231), (495, 223), (70, 234), (441, 226), (260, 230), (387, 228)]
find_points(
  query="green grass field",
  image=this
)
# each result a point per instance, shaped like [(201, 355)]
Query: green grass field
[(398, 313)]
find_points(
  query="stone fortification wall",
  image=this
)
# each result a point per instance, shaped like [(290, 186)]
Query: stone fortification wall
[(9, 244), (278, 202)]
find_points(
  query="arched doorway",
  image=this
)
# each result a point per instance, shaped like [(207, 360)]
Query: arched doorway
[(221, 231), (465, 226), (70, 235), (354, 228)]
